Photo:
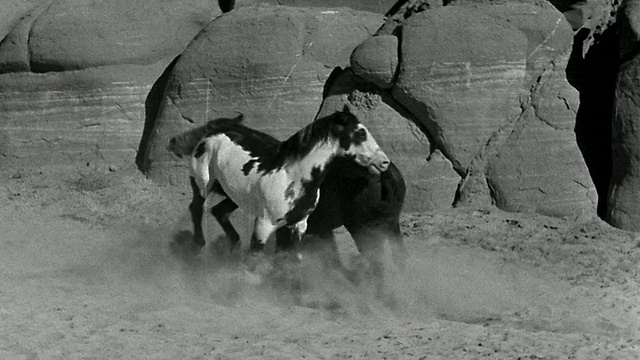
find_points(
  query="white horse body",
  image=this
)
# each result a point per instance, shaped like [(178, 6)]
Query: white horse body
[(267, 196)]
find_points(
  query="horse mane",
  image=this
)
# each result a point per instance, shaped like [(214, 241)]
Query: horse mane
[(302, 142), (186, 142), (216, 125)]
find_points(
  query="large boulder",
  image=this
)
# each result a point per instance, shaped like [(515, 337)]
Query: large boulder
[(463, 81), (623, 209), (85, 69), (488, 84), (77, 34), (376, 60), (431, 180), (539, 167), (268, 62), (592, 70)]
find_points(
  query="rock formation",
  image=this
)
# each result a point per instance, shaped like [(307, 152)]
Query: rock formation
[(479, 103), (470, 100), (623, 207), (431, 180), (267, 62), (487, 83), (74, 75)]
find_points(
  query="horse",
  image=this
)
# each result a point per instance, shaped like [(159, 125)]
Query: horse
[(278, 183)]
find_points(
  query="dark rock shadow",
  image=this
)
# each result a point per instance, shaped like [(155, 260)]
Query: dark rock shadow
[(151, 106), (594, 76)]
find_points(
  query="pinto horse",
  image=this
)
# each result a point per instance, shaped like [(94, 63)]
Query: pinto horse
[(276, 182)]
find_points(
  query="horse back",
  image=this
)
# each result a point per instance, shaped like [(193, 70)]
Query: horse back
[(236, 162)]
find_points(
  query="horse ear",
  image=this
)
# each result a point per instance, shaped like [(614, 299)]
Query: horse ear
[(240, 117), (343, 116)]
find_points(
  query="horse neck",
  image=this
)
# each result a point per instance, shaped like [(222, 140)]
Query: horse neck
[(312, 147), (315, 161)]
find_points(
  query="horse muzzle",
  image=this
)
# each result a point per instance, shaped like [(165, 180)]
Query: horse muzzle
[(379, 163)]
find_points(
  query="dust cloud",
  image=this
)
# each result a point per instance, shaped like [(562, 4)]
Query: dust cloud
[(155, 273)]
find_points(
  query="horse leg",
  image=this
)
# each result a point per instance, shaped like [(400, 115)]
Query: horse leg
[(299, 229), (196, 210), (370, 244), (284, 239), (256, 263), (262, 229), (221, 211), (324, 244), (290, 238), (398, 249)]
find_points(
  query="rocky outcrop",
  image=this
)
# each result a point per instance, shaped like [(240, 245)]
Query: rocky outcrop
[(78, 34), (75, 75), (75, 117), (543, 169), (495, 100), (431, 180), (469, 100), (623, 207), (376, 60), (268, 62), (375, 6), (461, 81)]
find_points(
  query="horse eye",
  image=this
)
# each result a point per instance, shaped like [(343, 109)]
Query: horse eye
[(360, 135)]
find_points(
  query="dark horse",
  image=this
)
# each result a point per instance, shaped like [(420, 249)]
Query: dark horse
[(368, 206)]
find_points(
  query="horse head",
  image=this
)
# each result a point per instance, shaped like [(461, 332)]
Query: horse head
[(357, 143)]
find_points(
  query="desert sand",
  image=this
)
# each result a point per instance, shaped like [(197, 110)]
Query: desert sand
[(89, 269)]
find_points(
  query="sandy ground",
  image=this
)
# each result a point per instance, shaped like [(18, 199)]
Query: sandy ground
[(89, 270)]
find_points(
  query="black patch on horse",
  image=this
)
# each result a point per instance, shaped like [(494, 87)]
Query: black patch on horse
[(359, 136), (246, 168), (261, 147), (305, 204), (199, 150), (289, 192)]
